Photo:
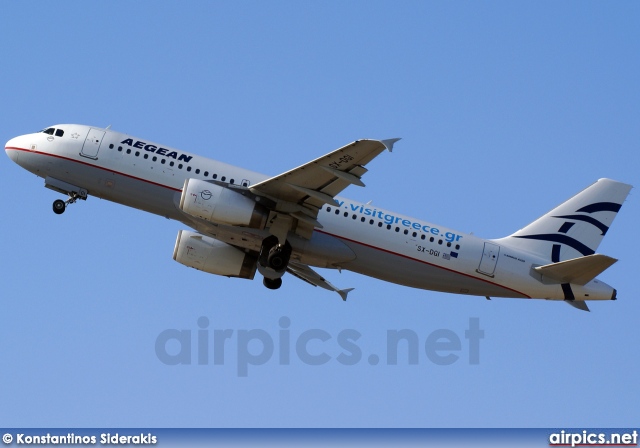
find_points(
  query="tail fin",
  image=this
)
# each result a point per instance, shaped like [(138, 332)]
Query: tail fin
[(576, 227)]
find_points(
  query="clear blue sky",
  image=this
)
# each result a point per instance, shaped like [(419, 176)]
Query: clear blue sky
[(506, 109)]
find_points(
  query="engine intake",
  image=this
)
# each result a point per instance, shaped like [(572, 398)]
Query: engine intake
[(215, 257), (222, 205)]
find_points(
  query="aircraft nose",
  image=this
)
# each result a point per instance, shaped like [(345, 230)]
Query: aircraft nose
[(12, 148)]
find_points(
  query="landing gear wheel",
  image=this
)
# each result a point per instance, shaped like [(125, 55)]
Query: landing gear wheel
[(272, 283), (278, 259), (59, 206)]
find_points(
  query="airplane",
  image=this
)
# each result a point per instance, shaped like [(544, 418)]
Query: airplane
[(241, 221)]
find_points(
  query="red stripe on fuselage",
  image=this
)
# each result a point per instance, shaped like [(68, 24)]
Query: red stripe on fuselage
[(320, 231), (93, 166), (421, 261)]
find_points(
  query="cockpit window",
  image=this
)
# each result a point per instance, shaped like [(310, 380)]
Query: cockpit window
[(53, 131)]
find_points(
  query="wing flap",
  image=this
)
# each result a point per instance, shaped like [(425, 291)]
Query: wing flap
[(326, 176), (579, 271), (305, 273)]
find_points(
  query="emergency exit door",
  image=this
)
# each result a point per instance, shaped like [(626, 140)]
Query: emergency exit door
[(489, 260), (92, 143)]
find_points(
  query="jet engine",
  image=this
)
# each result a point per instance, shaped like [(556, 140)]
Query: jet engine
[(222, 205), (215, 257)]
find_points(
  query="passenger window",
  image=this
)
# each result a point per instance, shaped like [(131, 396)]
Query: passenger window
[(422, 236), (111, 146), (457, 247), (328, 209), (231, 181), (59, 132), (206, 174), (163, 161), (171, 163), (198, 171), (179, 166), (380, 224), (128, 151), (188, 168), (154, 158), (146, 156), (223, 178), (215, 176), (337, 212), (346, 214), (137, 153)]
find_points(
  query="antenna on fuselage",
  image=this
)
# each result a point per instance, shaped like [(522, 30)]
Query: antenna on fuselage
[(108, 127)]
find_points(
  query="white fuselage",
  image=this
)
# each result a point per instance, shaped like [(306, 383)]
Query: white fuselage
[(358, 237)]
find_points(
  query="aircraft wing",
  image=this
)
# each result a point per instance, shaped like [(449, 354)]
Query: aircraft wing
[(302, 191), (304, 272)]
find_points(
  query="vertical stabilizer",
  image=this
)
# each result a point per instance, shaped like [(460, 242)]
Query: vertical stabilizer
[(575, 228)]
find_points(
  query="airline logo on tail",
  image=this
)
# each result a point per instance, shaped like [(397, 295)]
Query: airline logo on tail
[(577, 226), (562, 237)]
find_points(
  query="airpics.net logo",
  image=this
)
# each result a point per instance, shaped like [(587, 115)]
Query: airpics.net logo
[(286, 344), (590, 438)]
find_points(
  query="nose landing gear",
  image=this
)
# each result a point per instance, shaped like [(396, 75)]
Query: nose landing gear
[(59, 206), (63, 187)]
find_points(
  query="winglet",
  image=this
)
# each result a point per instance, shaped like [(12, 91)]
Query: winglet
[(343, 293), (389, 143), (578, 304)]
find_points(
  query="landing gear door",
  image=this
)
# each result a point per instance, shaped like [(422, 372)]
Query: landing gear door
[(92, 143), (489, 260)]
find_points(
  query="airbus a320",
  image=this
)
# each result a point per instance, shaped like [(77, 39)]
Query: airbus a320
[(242, 222)]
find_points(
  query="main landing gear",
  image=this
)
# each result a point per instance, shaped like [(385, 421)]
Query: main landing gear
[(272, 283), (59, 206), (273, 261)]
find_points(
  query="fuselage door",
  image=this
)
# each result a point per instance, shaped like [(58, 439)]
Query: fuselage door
[(92, 143), (489, 259)]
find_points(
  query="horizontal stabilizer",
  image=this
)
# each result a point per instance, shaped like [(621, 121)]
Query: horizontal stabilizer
[(579, 271)]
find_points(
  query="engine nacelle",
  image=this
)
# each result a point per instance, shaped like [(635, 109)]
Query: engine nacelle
[(215, 257), (222, 205)]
